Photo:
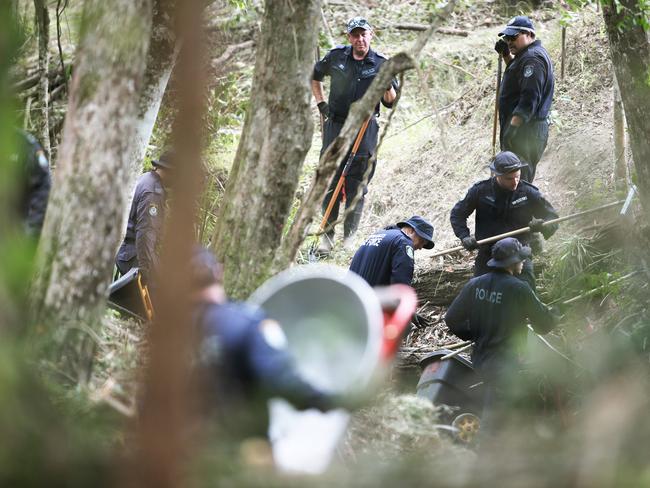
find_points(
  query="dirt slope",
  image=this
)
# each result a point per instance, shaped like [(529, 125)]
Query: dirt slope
[(427, 161), (425, 168)]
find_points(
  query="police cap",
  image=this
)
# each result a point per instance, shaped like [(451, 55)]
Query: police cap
[(358, 23), (421, 227), (516, 25), (506, 162), (508, 251)]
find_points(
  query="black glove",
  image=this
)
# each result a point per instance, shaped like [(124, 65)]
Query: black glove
[(469, 243), (509, 136), (536, 225), (324, 108), (502, 47)]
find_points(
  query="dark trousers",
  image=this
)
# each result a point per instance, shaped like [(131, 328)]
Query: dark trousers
[(481, 267), (123, 267), (354, 180), (353, 186), (529, 145)]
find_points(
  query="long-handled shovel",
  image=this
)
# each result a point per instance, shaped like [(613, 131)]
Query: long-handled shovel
[(341, 182), (523, 230), (496, 107)]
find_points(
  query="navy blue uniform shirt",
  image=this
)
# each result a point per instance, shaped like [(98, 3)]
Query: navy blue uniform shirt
[(527, 86), (349, 78), (491, 310), (36, 180), (145, 226), (385, 258), (499, 210)]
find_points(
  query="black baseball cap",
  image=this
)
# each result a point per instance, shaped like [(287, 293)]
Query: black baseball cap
[(358, 23), (506, 162), (421, 227), (508, 251), (516, 25)]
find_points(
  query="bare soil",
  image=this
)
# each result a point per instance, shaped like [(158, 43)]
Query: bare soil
[(439, 143)]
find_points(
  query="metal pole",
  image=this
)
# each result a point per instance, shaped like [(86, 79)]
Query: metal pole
[(496, 107), (563, 52), (320, 115), (456, 352), (346, 169), (523, 230)]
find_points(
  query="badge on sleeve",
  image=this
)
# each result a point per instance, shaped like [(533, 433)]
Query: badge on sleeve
[(153, 210), (528, 71), (42, 160), (409, 251), (273, 334)]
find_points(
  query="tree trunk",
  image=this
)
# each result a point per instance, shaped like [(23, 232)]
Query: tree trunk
[(276, 136), (43, 23), (83, 224), (9, 306), (160, 62), (161, 57), (14, 9), (619, 140), (630, 53), (165, 438)]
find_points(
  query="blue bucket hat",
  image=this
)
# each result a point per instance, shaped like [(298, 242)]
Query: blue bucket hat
[(506, 162), (358, 23), (516, 25), (166, 160), (508, 251), (421, 227)]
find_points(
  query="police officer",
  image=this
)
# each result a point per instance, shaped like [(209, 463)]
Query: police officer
[(243, 355), (351, 70), (146, 219), (502, 203), (526, 93), (36, 183), (492, 309), (386, 257)]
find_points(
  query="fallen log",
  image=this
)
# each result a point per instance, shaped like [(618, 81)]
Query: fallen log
[(32, 80), (452, 32), (422, 27), (439, 286)]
